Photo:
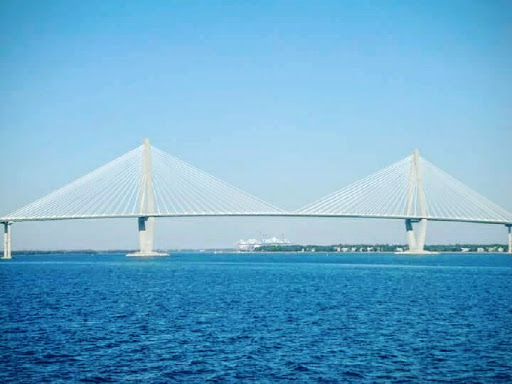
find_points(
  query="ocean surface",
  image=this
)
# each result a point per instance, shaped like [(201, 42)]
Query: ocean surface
[(206, 317)]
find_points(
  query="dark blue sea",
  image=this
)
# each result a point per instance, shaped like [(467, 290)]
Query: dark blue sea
[(266, 318)]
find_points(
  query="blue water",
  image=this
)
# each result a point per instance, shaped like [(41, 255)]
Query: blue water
[(256, 318)]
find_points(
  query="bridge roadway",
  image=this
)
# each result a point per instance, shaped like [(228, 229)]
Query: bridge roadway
[(256, 214), (146, 225)]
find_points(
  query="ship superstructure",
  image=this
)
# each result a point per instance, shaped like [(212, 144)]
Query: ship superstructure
[(251, 245)]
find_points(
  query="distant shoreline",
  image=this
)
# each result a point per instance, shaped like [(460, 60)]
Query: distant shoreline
[(235, 252)]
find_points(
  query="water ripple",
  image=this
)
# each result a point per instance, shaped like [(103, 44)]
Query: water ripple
[(279, 318)]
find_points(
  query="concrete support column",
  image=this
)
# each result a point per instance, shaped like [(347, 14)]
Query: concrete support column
[(422, 234), (7, 241), (416, 241), (411, 238), (509, 238), (146, 234)]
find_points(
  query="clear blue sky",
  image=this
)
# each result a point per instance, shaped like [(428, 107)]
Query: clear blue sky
[(288, 100)]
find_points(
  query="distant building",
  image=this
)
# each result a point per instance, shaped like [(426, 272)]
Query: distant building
[(248, 245), (465, 249), (253, 244), (480, 250), (275, 241)]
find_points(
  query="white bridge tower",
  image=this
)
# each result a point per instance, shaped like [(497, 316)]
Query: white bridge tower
[(146, 207), (416, 195)]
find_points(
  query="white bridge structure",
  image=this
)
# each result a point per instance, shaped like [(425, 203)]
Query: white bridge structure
[(147, 183)]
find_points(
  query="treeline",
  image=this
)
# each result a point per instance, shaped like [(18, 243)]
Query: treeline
[(380, 248), (68, 251)]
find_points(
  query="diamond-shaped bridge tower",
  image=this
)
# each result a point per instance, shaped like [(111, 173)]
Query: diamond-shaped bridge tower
[(144, 183)]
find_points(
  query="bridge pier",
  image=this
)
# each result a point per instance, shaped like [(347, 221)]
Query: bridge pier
[(416, 241), (509, 238), (7, 241), (146, 236), (422, 235), (411, 237)]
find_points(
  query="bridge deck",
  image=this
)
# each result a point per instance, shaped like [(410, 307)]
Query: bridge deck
[(258, 214)]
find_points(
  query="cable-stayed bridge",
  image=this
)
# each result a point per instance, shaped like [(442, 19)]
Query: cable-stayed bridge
[(146, 183)]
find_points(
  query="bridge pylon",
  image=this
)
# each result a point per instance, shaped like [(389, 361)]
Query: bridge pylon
[(7, 241), (146, 223), (416, 195)]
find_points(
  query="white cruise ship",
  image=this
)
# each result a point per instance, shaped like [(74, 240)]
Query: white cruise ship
[(250, 245)]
